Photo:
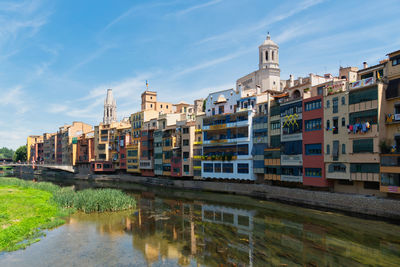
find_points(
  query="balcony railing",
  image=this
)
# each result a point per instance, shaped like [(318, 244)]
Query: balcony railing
[(362, 83), (392, 118)]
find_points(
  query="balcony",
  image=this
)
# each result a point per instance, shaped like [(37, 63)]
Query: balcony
[(362, 83), (392, 118), (366, 105), (390, 163)]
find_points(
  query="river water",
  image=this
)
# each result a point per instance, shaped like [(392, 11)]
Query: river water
[(182, 228)]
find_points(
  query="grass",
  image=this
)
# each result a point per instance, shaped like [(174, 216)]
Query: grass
[(27, 208)]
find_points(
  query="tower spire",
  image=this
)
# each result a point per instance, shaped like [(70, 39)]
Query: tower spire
[(110, 108)]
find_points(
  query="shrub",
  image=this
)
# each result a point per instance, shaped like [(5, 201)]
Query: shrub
[(88, 200)]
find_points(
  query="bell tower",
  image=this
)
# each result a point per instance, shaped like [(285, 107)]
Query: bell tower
[(110, 108), (269, 54)]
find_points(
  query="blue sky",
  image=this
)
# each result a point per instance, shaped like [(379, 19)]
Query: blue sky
[(57, 58)]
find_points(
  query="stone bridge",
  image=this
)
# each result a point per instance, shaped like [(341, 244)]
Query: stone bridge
[(66, 168)]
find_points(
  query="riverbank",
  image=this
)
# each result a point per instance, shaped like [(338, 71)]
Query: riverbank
[(27, 208), (348, 203), (24, 212)]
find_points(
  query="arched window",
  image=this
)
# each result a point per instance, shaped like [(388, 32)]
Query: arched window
[(273, 55), (296, 94), (266, 55)]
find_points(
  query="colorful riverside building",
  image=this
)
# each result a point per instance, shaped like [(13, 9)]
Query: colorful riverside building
[(390, 145), (137, 120), (313, 138), (272, 153), (334, 147), (366, 129), (227, 137), (34, 147), (146, 163), (197, 146)]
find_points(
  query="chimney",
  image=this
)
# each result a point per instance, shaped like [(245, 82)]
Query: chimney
[(291, 81), (258, 89), (365, 65)]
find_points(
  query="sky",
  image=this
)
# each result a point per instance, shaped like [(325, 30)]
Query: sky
[(57, 58)]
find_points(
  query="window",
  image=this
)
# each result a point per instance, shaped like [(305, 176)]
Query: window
[(273, 55), (364, 167), (328, 149), (266, 55), (167, 106), (337, 167), (328, 104), (316, 104), (243, 150), (185, 142), (320, 90), (312, 125), (227, 167), (335, 150), (313, 172), (186, 168), (343, 148), (185, 155), (363, 146), (364, 116), (213, 111), (217, 167), (395, 60), (328, 124), (132, 153), (185, 130), (221, 109), (363, 95), (343, 122), (292, 148), (335, 104), (208, 167), (243, 168), (343, 100), (275, 125), (335, 125), (313, 149)]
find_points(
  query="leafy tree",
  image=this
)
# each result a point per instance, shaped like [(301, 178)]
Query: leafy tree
[(6, 153), (20, 154)]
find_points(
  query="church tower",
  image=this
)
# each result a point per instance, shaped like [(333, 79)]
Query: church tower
[(110, 108), (269, 54), (269, 65)]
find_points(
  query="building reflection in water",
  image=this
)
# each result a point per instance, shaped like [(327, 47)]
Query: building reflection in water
[(201, 233)]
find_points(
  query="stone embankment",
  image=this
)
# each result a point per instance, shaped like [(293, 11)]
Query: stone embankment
[(360, 204), (349, 203)]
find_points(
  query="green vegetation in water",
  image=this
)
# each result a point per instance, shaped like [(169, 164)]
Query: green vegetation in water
[(27, 207)]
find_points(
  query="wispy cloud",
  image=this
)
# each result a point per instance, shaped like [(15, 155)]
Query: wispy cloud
[(262, 24), (210, 63), (136, 8), (193, 8), (15, 98), (94, 55)]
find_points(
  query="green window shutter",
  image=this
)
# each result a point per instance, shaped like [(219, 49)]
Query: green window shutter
[(363, 146)]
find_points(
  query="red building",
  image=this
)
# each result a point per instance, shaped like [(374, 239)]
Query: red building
[(313, 142), (59, 148), (146, 162), (85, 148), (176, 162)]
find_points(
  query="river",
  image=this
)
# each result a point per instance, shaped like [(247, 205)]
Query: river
[(184, 228)]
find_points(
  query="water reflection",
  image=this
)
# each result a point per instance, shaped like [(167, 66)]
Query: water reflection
[(165, 231), (218, 235)]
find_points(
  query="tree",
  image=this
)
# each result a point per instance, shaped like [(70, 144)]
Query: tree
[(20, 154), (6, 153)]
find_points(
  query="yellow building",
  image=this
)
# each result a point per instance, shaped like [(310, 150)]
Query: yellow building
[(390, 146), (133, 149), (32, 147)]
